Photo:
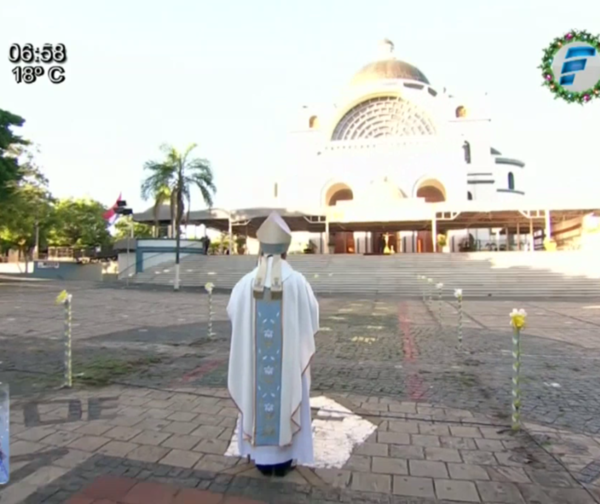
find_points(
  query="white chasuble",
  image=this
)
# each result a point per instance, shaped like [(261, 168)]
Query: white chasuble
[(269, 366)]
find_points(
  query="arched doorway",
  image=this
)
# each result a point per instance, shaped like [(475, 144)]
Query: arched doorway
[(341, 241), (432, 191)]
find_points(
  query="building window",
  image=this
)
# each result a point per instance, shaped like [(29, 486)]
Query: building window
[(469, 195), (511, 181), (467, 150)]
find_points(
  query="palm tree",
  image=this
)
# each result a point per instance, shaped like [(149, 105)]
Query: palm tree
[(172, 180)]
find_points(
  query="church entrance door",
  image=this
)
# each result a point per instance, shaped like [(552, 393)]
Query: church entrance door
[(344, 242)]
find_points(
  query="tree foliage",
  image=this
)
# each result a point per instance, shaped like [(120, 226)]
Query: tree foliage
[(172, 180), (27, 209), (123, 229), (78, 223), (9, 152)]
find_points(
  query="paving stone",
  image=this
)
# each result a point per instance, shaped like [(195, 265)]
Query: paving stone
[(420, 440), (89, 443), (182, 416), (413, 487), (71, 460), (59, 438), (96, 428), (367, 482), (496, 433), (427, 468), (478, 457), (121, 433), (407, 452), (44, 475), (534, 494), (214, 446), (509, 459), (464, 491), (458, 443), (181, 427), (181, 458), (467, 472), (434, 429), (505, 493), (215, 463), (393, 438), (442, 454), (465, 432), (147, 453), (208, 431), (372, 449), (493, 445), (151, 438), (337, 478), (508, 474), (403, 426), (181, 442), (385, 465), (117, 448), (550, 479), (360, 463), (34, 434)]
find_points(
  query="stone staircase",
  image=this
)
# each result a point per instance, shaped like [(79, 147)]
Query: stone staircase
[(482, 274)]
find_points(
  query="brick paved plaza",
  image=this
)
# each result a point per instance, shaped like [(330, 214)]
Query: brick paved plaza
[(149, 421)]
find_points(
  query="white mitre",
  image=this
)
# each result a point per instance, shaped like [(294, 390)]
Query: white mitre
[(274, 236)]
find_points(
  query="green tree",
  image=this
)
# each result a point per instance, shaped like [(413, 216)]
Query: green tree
[(26, 212), (123, 229), (78, 223), (175, 177), (9, 153)]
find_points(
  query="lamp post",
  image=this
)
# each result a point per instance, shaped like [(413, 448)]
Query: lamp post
[(122, 209)]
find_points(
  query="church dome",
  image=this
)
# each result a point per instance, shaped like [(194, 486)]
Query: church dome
[(387, 67)]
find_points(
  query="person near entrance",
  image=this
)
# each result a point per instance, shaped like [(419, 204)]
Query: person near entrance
[(274, 317)]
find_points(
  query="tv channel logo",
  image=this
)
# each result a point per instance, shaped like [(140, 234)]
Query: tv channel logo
[(576, 66)]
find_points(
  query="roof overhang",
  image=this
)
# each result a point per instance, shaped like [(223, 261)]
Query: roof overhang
[(403, 215)]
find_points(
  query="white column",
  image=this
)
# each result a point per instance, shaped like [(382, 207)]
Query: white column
[(326, 251), (548, 225), (531, 235), (434, 232)]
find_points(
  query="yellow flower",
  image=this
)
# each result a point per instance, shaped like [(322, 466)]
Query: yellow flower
[(63, 297), (518, 318), (209, 286)]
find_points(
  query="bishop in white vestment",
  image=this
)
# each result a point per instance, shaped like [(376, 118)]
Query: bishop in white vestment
[(274, 316)]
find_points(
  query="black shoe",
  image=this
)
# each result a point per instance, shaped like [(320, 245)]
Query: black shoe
[(265, 470), (281, 470)]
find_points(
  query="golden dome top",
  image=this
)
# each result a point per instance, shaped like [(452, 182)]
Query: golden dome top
[(387, 67)]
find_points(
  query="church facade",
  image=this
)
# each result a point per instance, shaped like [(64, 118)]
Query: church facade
[(391, 144)]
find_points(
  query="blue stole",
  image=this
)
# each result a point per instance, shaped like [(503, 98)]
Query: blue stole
[(268, 341)]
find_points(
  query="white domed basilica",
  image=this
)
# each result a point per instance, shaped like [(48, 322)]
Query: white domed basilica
[(393, 144)]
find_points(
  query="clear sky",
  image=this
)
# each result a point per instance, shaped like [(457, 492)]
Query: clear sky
[(229, 75)]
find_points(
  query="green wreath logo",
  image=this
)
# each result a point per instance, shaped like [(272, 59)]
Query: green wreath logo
[(566, 67)]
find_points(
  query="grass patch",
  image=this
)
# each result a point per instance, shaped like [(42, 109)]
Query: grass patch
[(103, 371)]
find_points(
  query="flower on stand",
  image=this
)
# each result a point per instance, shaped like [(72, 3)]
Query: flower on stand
[(440, 285), (458, 293), (63, 297), (518, 318), (430, 280), (209, 286)]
